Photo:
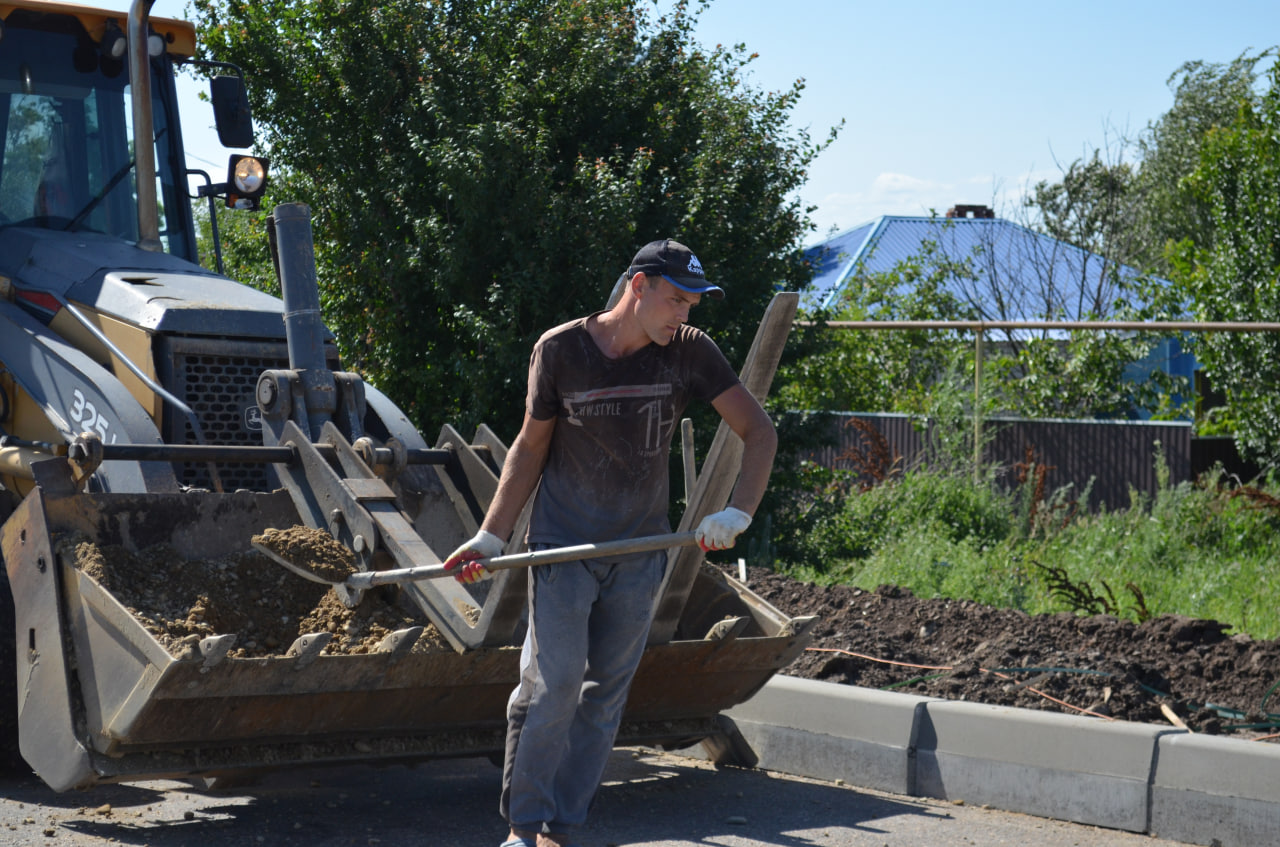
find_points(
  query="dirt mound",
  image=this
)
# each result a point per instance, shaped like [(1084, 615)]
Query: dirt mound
[(180, 601), (961, 650)]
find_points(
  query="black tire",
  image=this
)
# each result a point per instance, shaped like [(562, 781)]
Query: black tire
[(10, 759)]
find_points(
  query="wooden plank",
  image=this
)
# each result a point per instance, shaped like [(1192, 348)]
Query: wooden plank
[(720, 469)]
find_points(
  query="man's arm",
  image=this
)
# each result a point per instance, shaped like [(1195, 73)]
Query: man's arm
[(520, 474), (751, 423)]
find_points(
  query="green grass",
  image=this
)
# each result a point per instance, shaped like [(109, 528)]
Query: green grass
[(1189, 550)]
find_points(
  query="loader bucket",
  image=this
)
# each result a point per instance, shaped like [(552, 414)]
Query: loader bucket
[(103, 698)]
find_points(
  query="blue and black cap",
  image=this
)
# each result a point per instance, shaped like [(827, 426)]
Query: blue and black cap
[(676, 264)]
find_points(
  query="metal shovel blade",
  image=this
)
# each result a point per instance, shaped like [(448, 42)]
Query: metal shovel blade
[(295, 568)]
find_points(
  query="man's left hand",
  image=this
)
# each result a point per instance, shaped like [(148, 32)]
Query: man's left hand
[(721, 530)]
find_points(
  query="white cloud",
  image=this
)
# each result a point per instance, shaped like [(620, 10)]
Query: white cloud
[(892, 193), (892, 185), (887, 194)]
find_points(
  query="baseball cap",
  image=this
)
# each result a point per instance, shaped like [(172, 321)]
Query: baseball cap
[(676, 264)]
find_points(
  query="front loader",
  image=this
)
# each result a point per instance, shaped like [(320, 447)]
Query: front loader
[(150, 407)]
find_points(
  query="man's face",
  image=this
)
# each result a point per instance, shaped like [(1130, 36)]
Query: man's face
[(664, 308)]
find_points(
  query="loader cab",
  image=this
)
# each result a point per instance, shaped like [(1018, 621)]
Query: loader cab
[(66, 120)]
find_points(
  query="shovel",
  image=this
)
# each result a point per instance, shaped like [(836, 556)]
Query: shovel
[(368, 579)]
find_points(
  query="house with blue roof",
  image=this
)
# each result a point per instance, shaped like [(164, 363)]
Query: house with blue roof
[(1018, 273), (1021, 274)]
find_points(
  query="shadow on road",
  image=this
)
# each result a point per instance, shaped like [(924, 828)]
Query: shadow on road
[(647, 799)]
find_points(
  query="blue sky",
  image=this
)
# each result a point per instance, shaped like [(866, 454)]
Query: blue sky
[(947, 102)]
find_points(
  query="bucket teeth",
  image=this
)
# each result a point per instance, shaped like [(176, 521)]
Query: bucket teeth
[(307, 648), (797, 627), (401, 641), (214, 649), (727, 629)]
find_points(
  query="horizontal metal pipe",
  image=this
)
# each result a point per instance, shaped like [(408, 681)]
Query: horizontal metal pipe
[(1140, 326), (248, 454)]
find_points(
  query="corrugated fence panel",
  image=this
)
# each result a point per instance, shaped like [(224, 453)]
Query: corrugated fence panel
[(1115, 455), (904, 441)]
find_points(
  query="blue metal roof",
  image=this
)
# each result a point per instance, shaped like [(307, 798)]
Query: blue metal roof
[(1039, 276)]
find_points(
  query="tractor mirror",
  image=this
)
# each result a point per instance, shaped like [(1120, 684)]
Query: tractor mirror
[(231, 111)]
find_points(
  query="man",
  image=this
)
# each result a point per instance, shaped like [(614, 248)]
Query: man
[(604, 398)]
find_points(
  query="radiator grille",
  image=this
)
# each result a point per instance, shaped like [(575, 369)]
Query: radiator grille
[(218, 378), (220, 389)]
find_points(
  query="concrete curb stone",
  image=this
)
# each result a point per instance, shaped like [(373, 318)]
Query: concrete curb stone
[(798, 726), (1035, 762), (1222, 790), (1136, 777)]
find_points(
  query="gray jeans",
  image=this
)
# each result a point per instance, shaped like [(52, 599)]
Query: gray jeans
[(588, 621)]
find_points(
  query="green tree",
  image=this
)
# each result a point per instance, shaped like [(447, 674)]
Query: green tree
[(1096, 207), (1087, 374), (1235, 274), (1132, 207), (1090, 208), (1206, 96), (481, 171), (241, 238), (883, 370), (29, 132), (1128, 201)]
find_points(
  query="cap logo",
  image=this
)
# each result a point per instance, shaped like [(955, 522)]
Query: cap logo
[(695, 267)]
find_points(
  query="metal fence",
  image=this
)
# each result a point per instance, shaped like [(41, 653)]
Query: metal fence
[(1110, 459), (1116, 456), (1199, 456)]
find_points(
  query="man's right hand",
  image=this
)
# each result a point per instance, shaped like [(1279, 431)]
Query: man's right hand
[(721, 530), (485, 545)]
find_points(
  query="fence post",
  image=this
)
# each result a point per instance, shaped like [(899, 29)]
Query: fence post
[(977, 405)]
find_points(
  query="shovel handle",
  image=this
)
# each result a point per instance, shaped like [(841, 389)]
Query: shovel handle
[(643, 544)]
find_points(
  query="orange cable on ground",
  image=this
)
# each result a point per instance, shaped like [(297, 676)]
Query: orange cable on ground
[(1046, 696), (1051, 698), (881, 661)]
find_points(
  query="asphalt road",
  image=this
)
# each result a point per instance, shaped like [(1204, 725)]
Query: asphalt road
[(648, 800)]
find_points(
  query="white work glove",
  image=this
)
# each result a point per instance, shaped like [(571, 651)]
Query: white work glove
[(485, 545), (721, 530)]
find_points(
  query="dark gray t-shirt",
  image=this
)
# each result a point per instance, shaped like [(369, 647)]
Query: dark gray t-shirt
[(606, 474)]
